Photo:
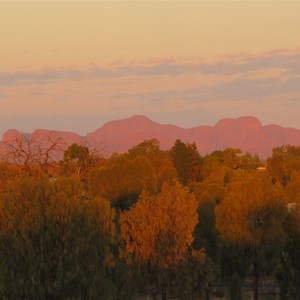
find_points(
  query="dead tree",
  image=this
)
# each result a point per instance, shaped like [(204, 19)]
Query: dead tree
[(34, 154)]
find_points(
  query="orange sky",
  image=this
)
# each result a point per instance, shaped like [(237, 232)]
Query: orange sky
[(74, 65)]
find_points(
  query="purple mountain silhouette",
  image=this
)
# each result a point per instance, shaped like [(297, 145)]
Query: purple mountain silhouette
[(246, 133)]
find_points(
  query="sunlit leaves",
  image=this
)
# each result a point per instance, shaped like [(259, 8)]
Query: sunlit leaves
[(159, 229), (283, 162), (252, 212)]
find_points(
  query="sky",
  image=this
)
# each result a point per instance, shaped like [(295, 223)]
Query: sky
[(74, 65)]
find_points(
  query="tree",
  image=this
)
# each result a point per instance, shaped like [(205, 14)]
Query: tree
[(252, 215), (122, 180), (158, 230), (53, 244), (34, 156), (159, 160), (234, 263), (8, 174), (249, 162), (283, 162), (148, 148), (78, 159), (187, 161), (224, 166), (288, 272)]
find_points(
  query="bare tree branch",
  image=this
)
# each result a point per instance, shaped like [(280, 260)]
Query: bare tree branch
[(30, 152)]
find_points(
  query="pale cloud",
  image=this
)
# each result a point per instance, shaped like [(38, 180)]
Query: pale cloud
[(39, 94), (265, 85), (289, 62), (238, 89), (295, 101), (254, 89), (4, 96), (45, 76)]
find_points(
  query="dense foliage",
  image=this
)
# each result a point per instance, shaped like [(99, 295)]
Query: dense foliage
[(150, 223)]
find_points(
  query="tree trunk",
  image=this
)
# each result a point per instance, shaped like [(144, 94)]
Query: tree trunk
[(154, 294), (298, 285), (207, 294), (255, 280), (235, 290), (163, 293)]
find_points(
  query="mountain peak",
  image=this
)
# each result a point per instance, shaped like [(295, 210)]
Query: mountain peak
[(10, 135), (139, 118), (133, 123), (247, 122), (136, 119), (224, 122), (246, 133)]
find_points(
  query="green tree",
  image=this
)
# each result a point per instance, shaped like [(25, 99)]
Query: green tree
[(77, 159), (53, 244), (121, 180), (187, 161), (148, 148), (208, 195), (160, 161)]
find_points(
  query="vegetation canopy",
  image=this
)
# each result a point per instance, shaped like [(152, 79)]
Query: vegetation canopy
[(149, 223)]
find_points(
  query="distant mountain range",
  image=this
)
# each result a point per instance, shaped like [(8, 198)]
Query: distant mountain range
[(246, 133)]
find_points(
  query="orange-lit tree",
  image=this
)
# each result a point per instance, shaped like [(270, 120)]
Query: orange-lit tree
[(8, 174), (289, 271), (158, 230), (252, 215), (283, 162)]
